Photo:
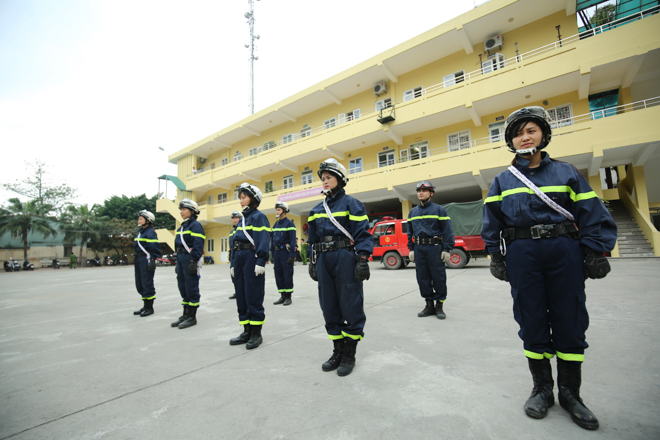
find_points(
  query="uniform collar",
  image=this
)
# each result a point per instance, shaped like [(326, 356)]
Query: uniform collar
[(341, 192), (524, 163)]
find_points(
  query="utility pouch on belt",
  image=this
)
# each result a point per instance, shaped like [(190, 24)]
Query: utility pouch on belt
[(428, 241)]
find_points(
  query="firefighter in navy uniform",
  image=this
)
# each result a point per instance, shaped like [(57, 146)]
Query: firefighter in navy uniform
[(189, 244), (249, 256), (235, 219), (430, 239), (340, 246), (283, 248), (147, 249), (547, 231)]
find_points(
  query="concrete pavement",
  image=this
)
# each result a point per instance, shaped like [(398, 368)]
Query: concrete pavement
[(76, 364)]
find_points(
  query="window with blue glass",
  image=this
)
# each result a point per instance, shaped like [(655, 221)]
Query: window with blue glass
[(602, 105)]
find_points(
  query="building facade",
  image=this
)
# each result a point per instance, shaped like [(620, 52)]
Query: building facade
[(433, 108)]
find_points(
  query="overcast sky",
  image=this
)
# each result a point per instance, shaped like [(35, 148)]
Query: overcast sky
[(93, 88)]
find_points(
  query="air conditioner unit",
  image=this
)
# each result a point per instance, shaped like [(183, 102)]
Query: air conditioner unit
[(493, 43), (380, 88), (202, 160)]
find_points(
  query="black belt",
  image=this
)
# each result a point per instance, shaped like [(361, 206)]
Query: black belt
[(280, 248), (240, 245), (332, 243), (181, 250), (430, 241), (566, 229)]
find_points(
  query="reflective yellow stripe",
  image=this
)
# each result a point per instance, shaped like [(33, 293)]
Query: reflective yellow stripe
[(149, 297), (194, 234), (284, 229), (355, 218), (548, 355), (428, 216), (232, 232), (546, 189), (185, 303), (493, 199), (335, 337), (539, 356), (193, 304), (146, 239), (246, 322), (285, 290), (570, 357), (257, 322), (355, 337), (252, 228)]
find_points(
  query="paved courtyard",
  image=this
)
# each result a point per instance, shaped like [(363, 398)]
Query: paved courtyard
[(76, 364)]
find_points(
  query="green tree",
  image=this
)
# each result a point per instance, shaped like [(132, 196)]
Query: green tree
[(37, 187), (127, 208), (84, 223), (118, 236), (23, 218), (604, 14)]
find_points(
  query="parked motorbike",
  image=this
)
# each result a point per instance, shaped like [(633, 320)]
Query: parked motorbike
[(96, 261), (8, 266), (166, 260), (27, 265), (108, 261), (17, 265), (123, 260), (55, 264)]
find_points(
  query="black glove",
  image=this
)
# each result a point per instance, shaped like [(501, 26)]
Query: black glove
[(312, 272), (290, 260), (175, 270), (152, 265), (498, 267), (192, 268), (596, 265), (362, 268)]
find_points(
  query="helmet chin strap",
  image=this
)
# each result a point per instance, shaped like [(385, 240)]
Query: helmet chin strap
[(532, 151)]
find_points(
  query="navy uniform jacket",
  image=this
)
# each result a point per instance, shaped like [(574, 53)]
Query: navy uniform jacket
[(510, 204), (193, 233), (349, 213), (258, 227), (149, 241), (430, 220), (284, 232), (231, 243)]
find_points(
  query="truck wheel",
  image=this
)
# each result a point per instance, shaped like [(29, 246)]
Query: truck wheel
[(457, 259), (392, 261)]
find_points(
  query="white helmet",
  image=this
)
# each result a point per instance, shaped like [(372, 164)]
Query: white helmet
[(148, 216), (251, 191), (282, 205), (336, 168), (187, 203), (236, 214)]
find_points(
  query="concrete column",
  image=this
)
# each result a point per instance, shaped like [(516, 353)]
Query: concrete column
[(406, 206), (594, 182), (640, 192)]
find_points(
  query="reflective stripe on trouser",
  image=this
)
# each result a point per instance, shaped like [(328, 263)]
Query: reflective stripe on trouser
[(340, 295), (144, 280), (188, 284), (283, 272), (249, 289), (431, 272), (547, 286)]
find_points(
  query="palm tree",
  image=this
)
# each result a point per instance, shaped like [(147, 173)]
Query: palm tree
[(23, 218), (83, 223)]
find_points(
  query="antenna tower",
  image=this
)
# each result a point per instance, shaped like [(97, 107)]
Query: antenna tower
[(250, 20)]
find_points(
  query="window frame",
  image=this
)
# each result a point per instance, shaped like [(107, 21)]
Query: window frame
[(224, 161), (210, 245), (329, 123), (413, 93), (452, 78), (383, 104), (272, 186), (284, 182), (421, 155), (459, 133), (238, 156), (222, 198), (498, 61), (354, 169), (288, 138), (567, 122), (304, 174), (500, 137), (387, 162), (306, 132)]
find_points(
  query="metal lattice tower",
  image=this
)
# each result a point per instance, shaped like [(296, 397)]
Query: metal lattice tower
[(250, 20)]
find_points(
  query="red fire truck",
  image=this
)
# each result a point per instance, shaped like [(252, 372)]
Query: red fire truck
[(391, 237)]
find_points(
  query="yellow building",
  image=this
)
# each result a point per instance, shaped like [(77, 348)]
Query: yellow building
[(434, 107)]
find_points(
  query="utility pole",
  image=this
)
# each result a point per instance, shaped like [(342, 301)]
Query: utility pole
[(250, 20)]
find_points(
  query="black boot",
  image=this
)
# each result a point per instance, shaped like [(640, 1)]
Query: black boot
[(347, 357), (281, 300), (191, 317), (569, 379), (233, 296), (148, 308), (242, 338), (255, 337), (287, 299), (438, 310), (332, 363), (139, 312), (542, 396), (428, 310), (181, 318)]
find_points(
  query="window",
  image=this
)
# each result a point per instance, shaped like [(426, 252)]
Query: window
[(329, 123), (236, 197), (222, 198), (404, 227), (209, 200), (384, 229), (496, 62), (268, 145), (307, 131), (602, 105), (459, 141), (287, 138), (307, 177), (224, 161), (412, 93), (496, 132), (561, 115), (346, 117), (419, 150), (355, 165), (456, 77), (254, 151), (287, 182), (210, 245), (15, 234), (386, 158), (268, 186), (237, 157), (383, 103)]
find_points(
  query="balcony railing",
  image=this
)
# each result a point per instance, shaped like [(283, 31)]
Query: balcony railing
[(272, 145)]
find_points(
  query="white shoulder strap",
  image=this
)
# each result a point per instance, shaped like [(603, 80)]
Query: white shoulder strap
[(335, 222), (541, 195), (142, 247), (249, 237)]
